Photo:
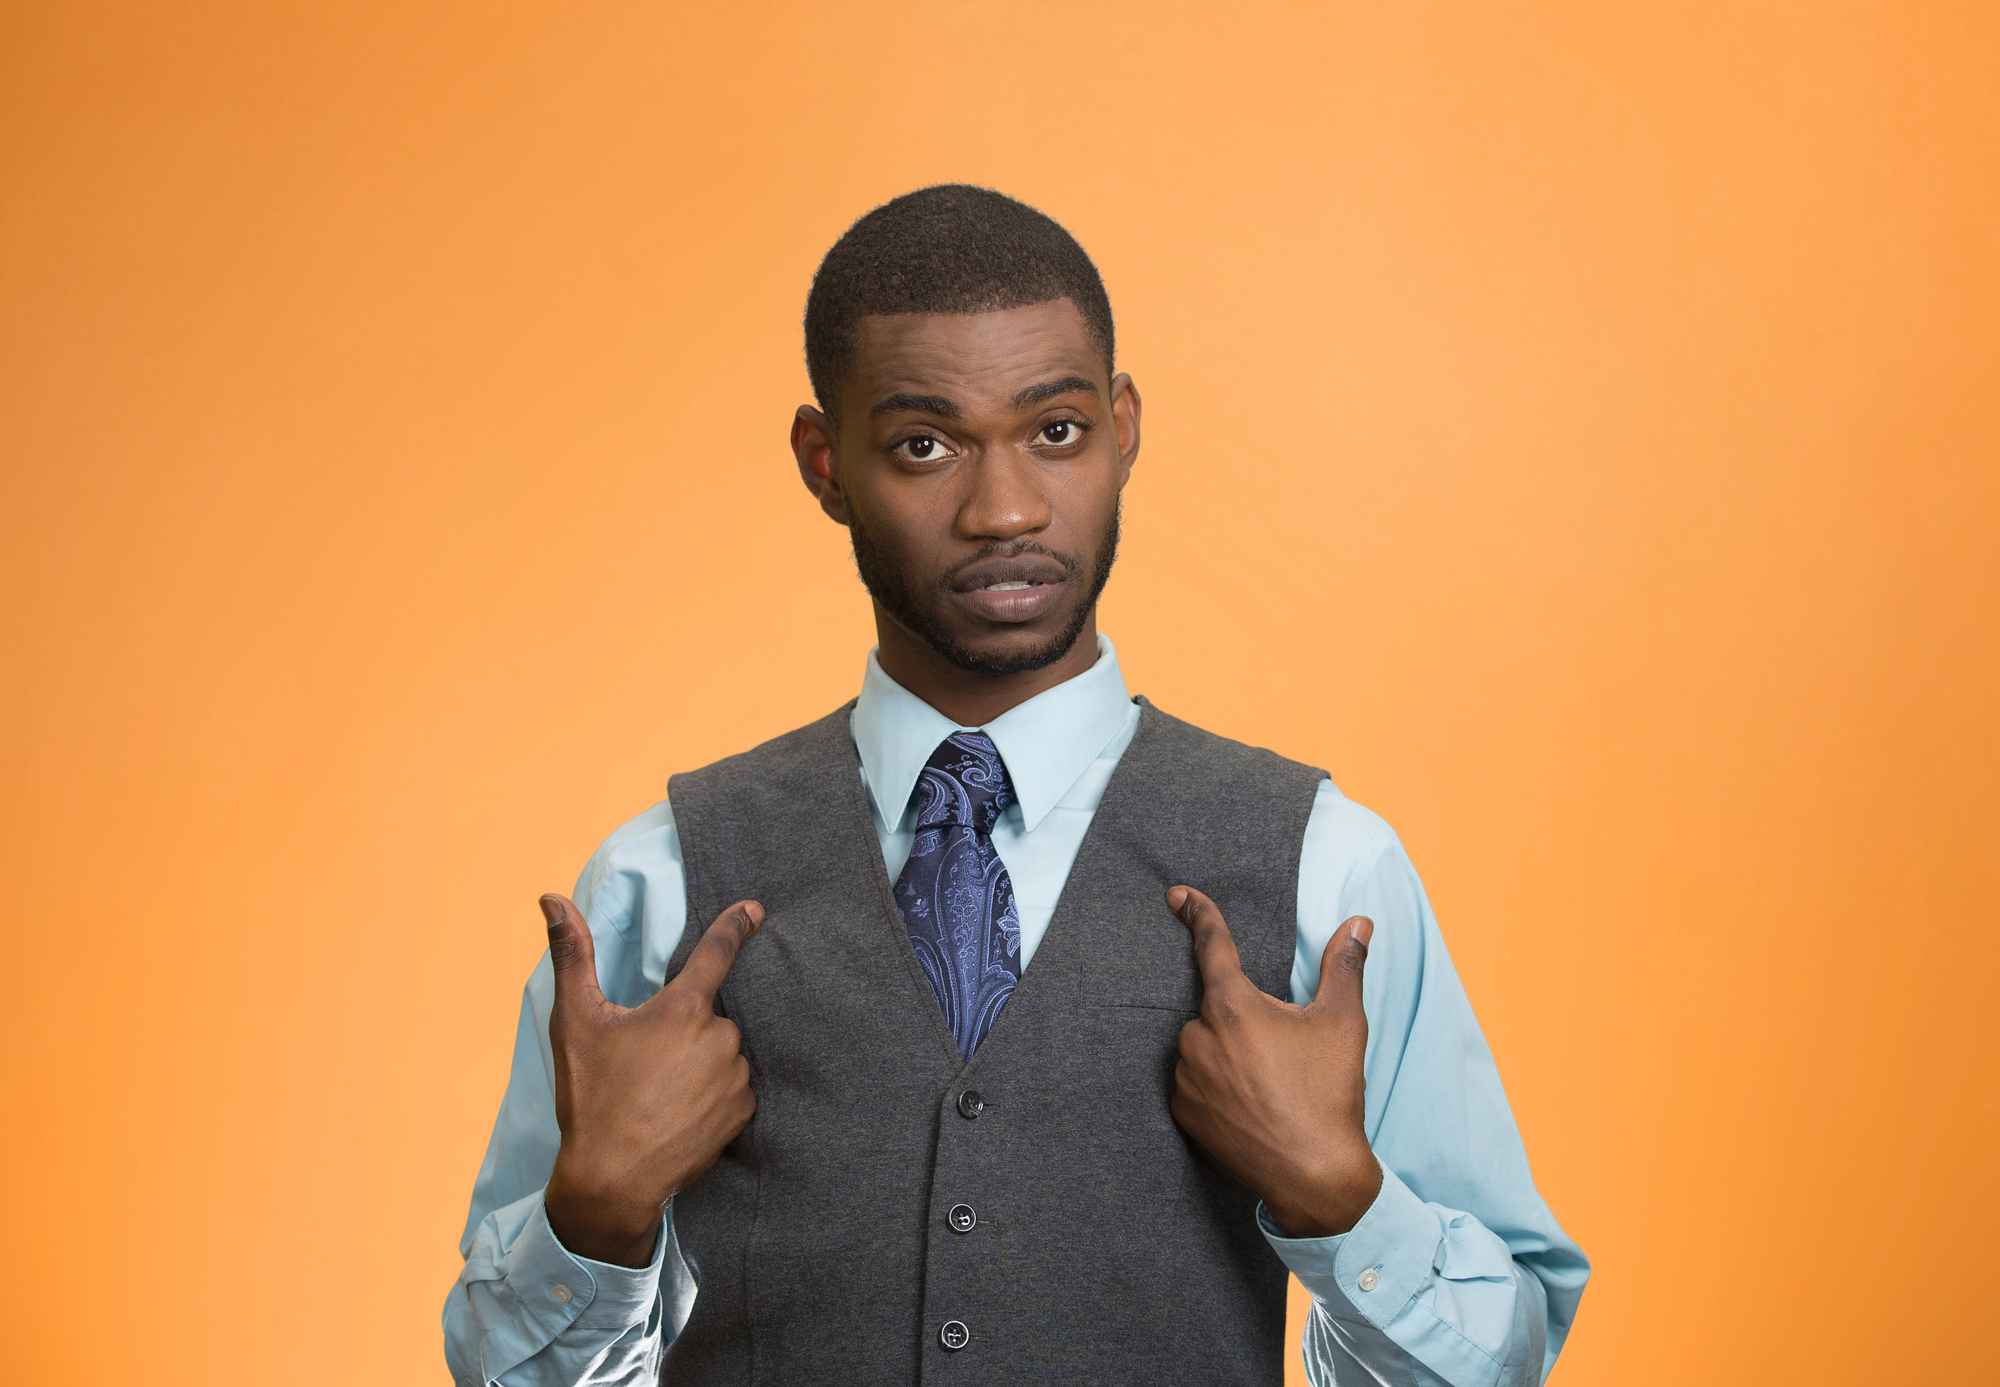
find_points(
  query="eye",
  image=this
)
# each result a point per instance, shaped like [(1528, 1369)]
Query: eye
[(1059, 433), (922, 448)]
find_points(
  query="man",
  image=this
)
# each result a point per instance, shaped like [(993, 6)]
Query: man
[(997, 1027)]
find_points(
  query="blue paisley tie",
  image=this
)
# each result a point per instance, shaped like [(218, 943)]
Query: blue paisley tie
[(955, 895)]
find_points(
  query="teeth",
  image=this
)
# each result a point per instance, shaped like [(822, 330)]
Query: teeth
[(1011, 586)]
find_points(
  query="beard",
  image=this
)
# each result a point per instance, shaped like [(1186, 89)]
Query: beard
[(916, 606)]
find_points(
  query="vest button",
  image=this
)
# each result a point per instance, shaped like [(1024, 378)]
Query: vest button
[(954, 1336), (962, 1218), (970, 1105)]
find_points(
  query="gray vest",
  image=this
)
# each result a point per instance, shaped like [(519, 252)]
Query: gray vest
[(894, 1212)]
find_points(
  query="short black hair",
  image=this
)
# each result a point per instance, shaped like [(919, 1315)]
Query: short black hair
[(949, 248)]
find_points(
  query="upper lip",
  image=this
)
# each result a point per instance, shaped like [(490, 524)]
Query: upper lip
[(1022, 568)]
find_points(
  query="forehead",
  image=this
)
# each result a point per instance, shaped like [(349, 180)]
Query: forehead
[(969, 356)]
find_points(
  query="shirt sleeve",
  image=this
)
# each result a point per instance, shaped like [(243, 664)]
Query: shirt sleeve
[(1458, 1273), (525, 1311)]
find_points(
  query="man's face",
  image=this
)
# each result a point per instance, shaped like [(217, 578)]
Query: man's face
[(977, 467)]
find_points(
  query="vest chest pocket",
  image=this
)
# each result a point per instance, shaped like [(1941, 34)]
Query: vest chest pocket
[(1147, 988), (1140, 1020), (1136, 1046)]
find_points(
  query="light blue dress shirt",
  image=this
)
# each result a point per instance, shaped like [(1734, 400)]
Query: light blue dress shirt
[(1457, 1274)]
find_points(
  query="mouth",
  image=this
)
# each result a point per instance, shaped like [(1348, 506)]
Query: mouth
[(1011, 590)]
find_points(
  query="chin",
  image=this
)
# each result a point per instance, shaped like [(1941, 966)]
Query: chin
[(1016, 652)]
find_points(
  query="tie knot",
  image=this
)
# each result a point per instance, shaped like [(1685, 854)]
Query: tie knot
[(964, 783)]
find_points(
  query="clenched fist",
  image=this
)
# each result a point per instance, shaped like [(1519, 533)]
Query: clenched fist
[(1275, 1092), (646, 1096)]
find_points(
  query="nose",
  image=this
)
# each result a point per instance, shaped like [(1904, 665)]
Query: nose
[(1004, 498)]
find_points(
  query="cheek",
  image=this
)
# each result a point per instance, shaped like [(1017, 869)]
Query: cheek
[(1083, 500), (908, 525)]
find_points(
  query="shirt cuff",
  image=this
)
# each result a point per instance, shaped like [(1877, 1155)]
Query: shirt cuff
[(1377, 1265), (560, 1288)]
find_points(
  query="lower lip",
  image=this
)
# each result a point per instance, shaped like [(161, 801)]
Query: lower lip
[(1013, 604)]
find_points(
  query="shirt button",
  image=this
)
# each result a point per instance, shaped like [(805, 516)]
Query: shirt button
[(1368, 1280), (561, 1292), (962, 1218), (954, 1336), (970, 1105)]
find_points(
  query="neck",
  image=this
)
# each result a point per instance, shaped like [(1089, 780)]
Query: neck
[(967, 698)]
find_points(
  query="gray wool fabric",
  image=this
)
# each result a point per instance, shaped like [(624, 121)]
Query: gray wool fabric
[(1104, 1247)]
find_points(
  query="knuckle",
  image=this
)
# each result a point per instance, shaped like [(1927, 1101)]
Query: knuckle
[(722, 1045)]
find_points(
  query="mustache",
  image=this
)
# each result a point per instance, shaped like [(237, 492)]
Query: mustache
[(1005, 549)]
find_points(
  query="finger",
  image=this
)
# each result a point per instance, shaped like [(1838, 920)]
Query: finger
[(1214, 947), (574, 957), (709, 964), (1340, 967)]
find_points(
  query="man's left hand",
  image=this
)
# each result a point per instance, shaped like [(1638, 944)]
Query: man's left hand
[(1275, 1092)]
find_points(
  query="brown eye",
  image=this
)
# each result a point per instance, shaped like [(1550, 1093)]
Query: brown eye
[(1061, 433), (922, 448)]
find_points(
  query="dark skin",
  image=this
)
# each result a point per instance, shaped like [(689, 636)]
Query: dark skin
[(646, 1096), (1000, 463), (983, 455)]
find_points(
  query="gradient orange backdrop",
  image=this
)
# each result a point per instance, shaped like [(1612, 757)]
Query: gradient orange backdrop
[(1575, 425)]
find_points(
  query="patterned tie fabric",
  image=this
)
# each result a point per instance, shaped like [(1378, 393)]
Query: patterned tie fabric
[(955, 895)]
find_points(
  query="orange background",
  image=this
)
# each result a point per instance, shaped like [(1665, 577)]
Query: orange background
[(1573, 424)]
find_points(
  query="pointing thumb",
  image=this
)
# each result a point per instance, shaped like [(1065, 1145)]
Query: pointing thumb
[(1340, 967), (571, 954)]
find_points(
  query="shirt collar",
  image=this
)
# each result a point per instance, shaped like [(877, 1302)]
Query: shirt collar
[(1047, 742)]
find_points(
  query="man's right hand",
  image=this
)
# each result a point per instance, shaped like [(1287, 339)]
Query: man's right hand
[(646, 1096)]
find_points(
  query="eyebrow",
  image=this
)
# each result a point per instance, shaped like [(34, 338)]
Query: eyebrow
[(903, 402), (1049, 389), (907, 402)]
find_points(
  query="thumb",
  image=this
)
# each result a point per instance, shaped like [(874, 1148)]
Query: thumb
[(1214, 946), (573, 956), (1340, 968)]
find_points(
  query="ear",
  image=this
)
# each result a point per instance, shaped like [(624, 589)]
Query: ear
[(812, 444), (1125, 414)]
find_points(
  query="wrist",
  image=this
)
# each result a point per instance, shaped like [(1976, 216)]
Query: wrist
[(1329, 1203), (598, 1228)]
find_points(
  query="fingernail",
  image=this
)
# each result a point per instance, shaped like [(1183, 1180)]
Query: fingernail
[(754, 913), (551, 910), (1364, 930), (1177, 897)]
